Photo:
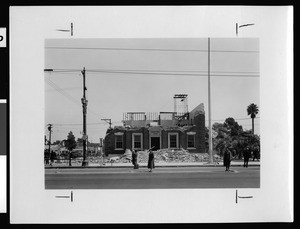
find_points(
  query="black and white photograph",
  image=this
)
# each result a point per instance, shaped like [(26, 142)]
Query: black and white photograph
[(151, 114)]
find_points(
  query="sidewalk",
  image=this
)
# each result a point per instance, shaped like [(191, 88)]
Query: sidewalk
[(143, 165)]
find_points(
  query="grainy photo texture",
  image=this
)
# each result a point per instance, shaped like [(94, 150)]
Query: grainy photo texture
[(152, 113)]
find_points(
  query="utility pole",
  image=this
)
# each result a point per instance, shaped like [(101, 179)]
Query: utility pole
[(108, 120), (209, 109), (71, 28), (84, 111), (49, 128)]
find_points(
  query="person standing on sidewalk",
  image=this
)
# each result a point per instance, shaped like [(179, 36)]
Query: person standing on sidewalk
[(46, 156), (70, 158), (151, 164), (256, 153), (246, 155), (227, 159), (134, 159)]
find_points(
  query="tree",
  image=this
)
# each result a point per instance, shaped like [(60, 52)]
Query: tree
[(219, 130), (252, 110), (80, 141), (57, 142), (70, 144), (233, 127), (221, 137), (231, 134)]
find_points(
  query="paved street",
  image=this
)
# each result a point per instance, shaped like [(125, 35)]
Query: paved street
[(164, 177)]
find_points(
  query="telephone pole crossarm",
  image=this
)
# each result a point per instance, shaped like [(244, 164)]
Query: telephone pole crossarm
[(108, 120)]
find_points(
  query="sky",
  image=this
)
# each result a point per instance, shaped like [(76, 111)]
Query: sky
[(170, 66)]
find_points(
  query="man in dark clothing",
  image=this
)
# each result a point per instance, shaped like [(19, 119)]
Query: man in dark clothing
[(256, 153), (151, 164), (246, 156), (134, 159), (227, 159), (70, 158)]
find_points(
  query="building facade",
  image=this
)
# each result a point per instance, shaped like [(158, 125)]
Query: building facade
[(163, 130)]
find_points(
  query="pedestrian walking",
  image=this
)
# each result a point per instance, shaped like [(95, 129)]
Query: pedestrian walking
[(70, 158), (151, 164), (246, 155), (227, 159), (134, 159), (256, 153)]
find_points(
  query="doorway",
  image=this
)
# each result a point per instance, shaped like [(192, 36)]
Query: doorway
[(155, 141)]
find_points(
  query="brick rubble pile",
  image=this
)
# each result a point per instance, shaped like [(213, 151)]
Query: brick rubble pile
[(163, 155)]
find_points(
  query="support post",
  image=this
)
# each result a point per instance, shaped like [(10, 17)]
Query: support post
[(209, 109), (50, 130), (84, 111)]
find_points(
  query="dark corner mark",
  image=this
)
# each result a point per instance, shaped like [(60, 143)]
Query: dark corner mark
[(243, 197), (66, 197)]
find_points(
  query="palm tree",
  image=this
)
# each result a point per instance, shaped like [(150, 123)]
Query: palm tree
[(252, 110)]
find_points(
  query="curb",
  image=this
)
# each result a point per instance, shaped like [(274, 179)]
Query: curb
[(157, 166)]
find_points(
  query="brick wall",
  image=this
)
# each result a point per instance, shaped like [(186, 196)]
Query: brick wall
[(199, 128), (128, 139), (146, 138), (109, 142)]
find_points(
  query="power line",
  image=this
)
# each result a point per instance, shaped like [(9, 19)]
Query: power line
[(244, 118), (150, 49), (65, 125), (169, 74), (222, 120), (255, 124), (64, 89), (63, 70), (79, 124), (72, 99), (58, 89)]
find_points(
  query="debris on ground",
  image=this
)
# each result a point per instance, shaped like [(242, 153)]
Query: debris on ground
[(165, 155), (160, 156), (126, 157)]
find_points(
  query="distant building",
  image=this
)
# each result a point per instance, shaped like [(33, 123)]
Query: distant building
[(161, 130)]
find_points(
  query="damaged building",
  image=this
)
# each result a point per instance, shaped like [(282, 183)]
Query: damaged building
[(179, 129)]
